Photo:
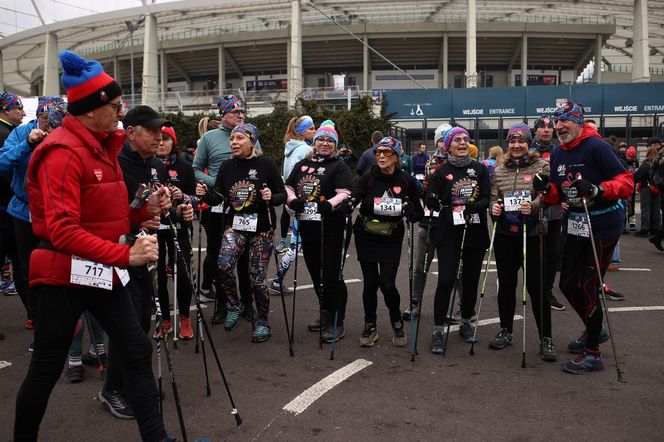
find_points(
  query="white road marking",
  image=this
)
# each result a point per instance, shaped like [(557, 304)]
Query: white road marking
[(490, 271), (634, 269), (195, 249), (310, 286), (313, 393), (637, 309), (4, 364), (191, 309)]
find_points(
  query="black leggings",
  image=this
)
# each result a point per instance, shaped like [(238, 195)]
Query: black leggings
[(214, 227), (165, 238), (285, 222), (386, 280), (448, 261), (580, 284), (551, 253), (8, 247), (25, 244), (335, 293), (59, 310), (509, 259)]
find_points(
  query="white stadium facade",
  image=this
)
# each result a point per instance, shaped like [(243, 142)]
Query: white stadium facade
[(181, 55)]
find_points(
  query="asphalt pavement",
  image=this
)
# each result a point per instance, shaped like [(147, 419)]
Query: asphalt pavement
[(378, 393)]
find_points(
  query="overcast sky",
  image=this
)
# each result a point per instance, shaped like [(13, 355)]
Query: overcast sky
[(19, 15)]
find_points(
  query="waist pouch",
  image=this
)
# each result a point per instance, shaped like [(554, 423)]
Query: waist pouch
[(376, 227)]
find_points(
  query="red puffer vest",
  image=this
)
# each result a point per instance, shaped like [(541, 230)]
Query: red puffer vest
[(78, 202)]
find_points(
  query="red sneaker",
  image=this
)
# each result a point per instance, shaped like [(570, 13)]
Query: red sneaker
[(186, 332), (29, 325)]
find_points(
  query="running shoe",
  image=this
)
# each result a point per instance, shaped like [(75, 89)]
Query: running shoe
[(555, 304), (29, 325), (75, 374), (656, 240), (584, 363), (275, 289), (230, 323), (467, 332), (332, 334), (369, 335), (399, 339), (157, 331), (548, 350), (579, 344), (612, 295), (116, 403), (437, 342), (8, 288), (186, 332), (415, 309), (502, 340), (206, 296), (261, 333), (282, 247)]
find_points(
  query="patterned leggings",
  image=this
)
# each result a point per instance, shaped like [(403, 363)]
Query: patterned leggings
[(260, 245)]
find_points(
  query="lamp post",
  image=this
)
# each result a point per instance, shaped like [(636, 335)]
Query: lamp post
[(132, 27)]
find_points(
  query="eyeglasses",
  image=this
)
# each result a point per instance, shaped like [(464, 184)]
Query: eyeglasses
[(385, 152), (325, 141), (235, 112), (460, 140), (117, 107)]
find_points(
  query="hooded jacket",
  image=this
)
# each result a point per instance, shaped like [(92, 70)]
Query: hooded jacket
[(294, 152), (14, 158)]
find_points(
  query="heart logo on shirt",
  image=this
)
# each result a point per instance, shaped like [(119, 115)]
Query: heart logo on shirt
[(449, 177), (311, 170), (397, 189), (303, 168), (527, 178)]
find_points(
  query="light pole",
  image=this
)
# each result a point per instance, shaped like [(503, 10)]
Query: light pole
[(132, 27)]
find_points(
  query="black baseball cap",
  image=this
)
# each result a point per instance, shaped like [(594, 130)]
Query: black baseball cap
[(146, 117)]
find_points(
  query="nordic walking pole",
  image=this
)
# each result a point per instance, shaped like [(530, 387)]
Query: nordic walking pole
[(409, 240), (197, 278), (176, 318), (321, 288), (428, 257), (486, 273), (456, 284), (601, 287), (281, 281), (523, 299), (541, 271), (297, 251), (341, 278), (206, 329)]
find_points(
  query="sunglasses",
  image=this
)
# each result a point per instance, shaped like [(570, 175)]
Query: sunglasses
[(386, 152)]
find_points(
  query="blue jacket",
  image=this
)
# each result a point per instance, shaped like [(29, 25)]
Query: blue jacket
[(14, 158)]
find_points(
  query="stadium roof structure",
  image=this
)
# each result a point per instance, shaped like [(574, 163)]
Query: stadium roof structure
[(407, 32)]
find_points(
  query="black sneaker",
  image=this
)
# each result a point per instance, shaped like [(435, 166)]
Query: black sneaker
[(548, 350), (579, 345), (612, 295), (332, 334), (75, 374), (369, 335), (315, 326), (502, 340), (437, 343), (467, 332), (555, 305), (116, 403), (399, 339), (656, 240), (584, 363)]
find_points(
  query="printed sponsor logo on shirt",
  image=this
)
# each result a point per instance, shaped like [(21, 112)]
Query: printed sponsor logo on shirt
[(320, 171), (253, 174), (561, 170), (471, 172)]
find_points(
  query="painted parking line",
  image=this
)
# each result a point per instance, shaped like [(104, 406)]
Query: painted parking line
[(310, 286), (4, 364), (313, 393), (648, 308)]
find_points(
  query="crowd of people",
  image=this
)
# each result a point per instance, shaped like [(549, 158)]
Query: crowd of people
[(96, 220)]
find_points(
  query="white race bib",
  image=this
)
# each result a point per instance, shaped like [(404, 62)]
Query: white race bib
[(217, 209), (310, 212), (513, 200), (457, 216), (432, 213), (577, 225), (164, 227), (245, 222), (123, 274), (91, 274), (387, 206), (474, 218), (419, 176)]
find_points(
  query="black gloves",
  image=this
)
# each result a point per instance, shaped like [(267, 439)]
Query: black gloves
[(297, 205), (586, 189), (346, 207), (408, 209), (324, 208), (433, 202), (541, 182)]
